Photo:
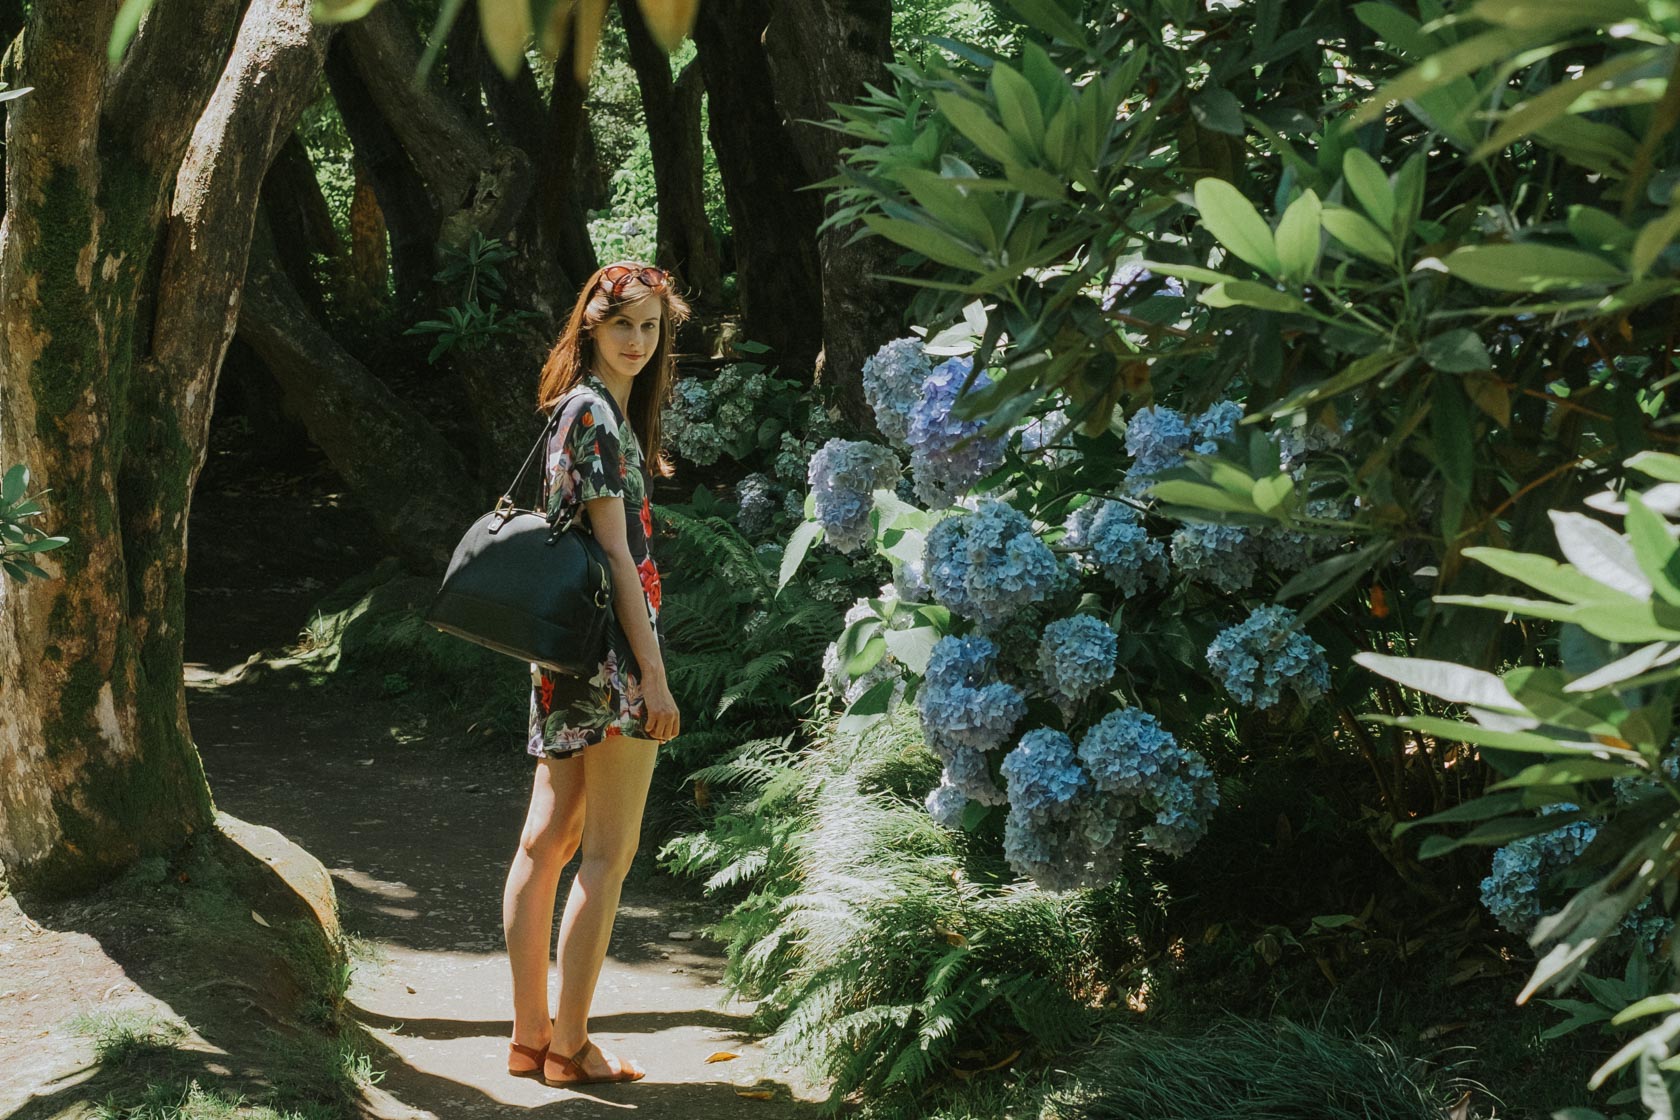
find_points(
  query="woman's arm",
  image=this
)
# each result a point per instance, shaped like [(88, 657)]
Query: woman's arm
[(606, 521)]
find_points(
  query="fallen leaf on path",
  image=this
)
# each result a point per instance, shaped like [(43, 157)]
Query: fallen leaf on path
[(721, 1056), (756, 1094), (258, 918)]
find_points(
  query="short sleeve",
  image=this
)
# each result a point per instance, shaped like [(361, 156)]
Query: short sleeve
[(596, 456)]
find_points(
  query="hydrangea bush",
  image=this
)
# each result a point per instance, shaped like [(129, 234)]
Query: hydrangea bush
[(1056, 631)]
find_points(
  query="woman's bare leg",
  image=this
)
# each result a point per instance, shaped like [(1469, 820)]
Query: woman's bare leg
[(552, 832), (615, 784)]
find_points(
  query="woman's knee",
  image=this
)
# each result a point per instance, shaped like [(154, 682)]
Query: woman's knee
[(553, 841), (606, 868)]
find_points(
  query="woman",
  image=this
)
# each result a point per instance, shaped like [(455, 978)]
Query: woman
[(595, 739)]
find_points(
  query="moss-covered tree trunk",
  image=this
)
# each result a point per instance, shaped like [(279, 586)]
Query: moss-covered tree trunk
[(130, 198)]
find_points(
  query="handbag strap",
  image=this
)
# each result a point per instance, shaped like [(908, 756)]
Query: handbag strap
[(563, 417)]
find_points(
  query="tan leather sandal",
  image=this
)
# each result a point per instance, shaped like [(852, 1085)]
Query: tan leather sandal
[(572, 1072), (535, 1054)]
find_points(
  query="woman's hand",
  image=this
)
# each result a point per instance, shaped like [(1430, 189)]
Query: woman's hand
[(662, 721)]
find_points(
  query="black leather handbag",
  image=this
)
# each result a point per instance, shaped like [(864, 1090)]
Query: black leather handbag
[(533, 590)]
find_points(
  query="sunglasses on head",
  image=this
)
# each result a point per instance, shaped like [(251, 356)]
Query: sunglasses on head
[(615, 277)]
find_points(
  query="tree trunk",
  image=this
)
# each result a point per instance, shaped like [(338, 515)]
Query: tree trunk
[(381, 163), (473, 185), (778, 273), (113, 323), (293, 204), (823, 52), (412, 483), (562, 192), (687, 245)]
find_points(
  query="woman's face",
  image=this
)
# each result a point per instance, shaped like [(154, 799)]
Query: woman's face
[(627, 337)]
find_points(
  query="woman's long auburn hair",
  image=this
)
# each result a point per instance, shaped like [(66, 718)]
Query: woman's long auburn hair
[(574, 355)]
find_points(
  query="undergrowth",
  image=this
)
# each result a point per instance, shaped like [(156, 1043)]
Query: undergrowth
[(886, 950)]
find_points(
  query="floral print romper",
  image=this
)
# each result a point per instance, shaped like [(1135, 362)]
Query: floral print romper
[(598, 457)]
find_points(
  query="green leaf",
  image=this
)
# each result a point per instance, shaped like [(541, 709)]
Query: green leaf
[(1655, 236), (1457, 351), (1018, 106), (934, 244), (1623, 669), (1251, 293), (340, 11), (1558, 99), (977, 125), (1494, 834), (913, 646), (506, 27), (1441, 67), (867, 657), (807, 534), (1458, 684), (1656, 464), (1529, 268), (1273, 493), (1361, 371), (1663, 1004), (1358, 233), (1199, 495), (1298, 238), (1449, 428), (1599, 229), (868, 708), (1476, 809), (1321, 573), (1656, 552), (14, 484), (1545, 574), (1188, 272), (1218, 110), (1598, 550), (1237, 225), (1365, 178), (1049, 17), (128, 22), (1568, 772)]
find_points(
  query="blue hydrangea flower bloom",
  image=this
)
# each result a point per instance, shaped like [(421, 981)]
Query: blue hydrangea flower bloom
[(970, 773), (1511, 892), (1110, 537), (758, 504), (1137, 767), (1215, 426), (1041, 837), (987, 565), (962, 704), (948, 455), (1076, 655), (946, 803), (1045, 440), (844, 474), (1156, 439), (892, 384), (1221, 556), (1265, 653), (1043, 775)]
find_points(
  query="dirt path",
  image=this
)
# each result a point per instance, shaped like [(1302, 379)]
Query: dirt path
[(417, 837)]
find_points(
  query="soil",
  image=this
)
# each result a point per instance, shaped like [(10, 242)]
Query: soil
[(415, 817)]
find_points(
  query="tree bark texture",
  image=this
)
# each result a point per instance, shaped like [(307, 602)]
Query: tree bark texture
[(382, 165), (114, 317), (775, 223), (565, 193), (822, 52), (686, 244), (293, 205), (410, 480)]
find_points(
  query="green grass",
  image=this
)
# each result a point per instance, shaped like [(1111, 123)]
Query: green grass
[(191, 1101), (129, 1036)]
